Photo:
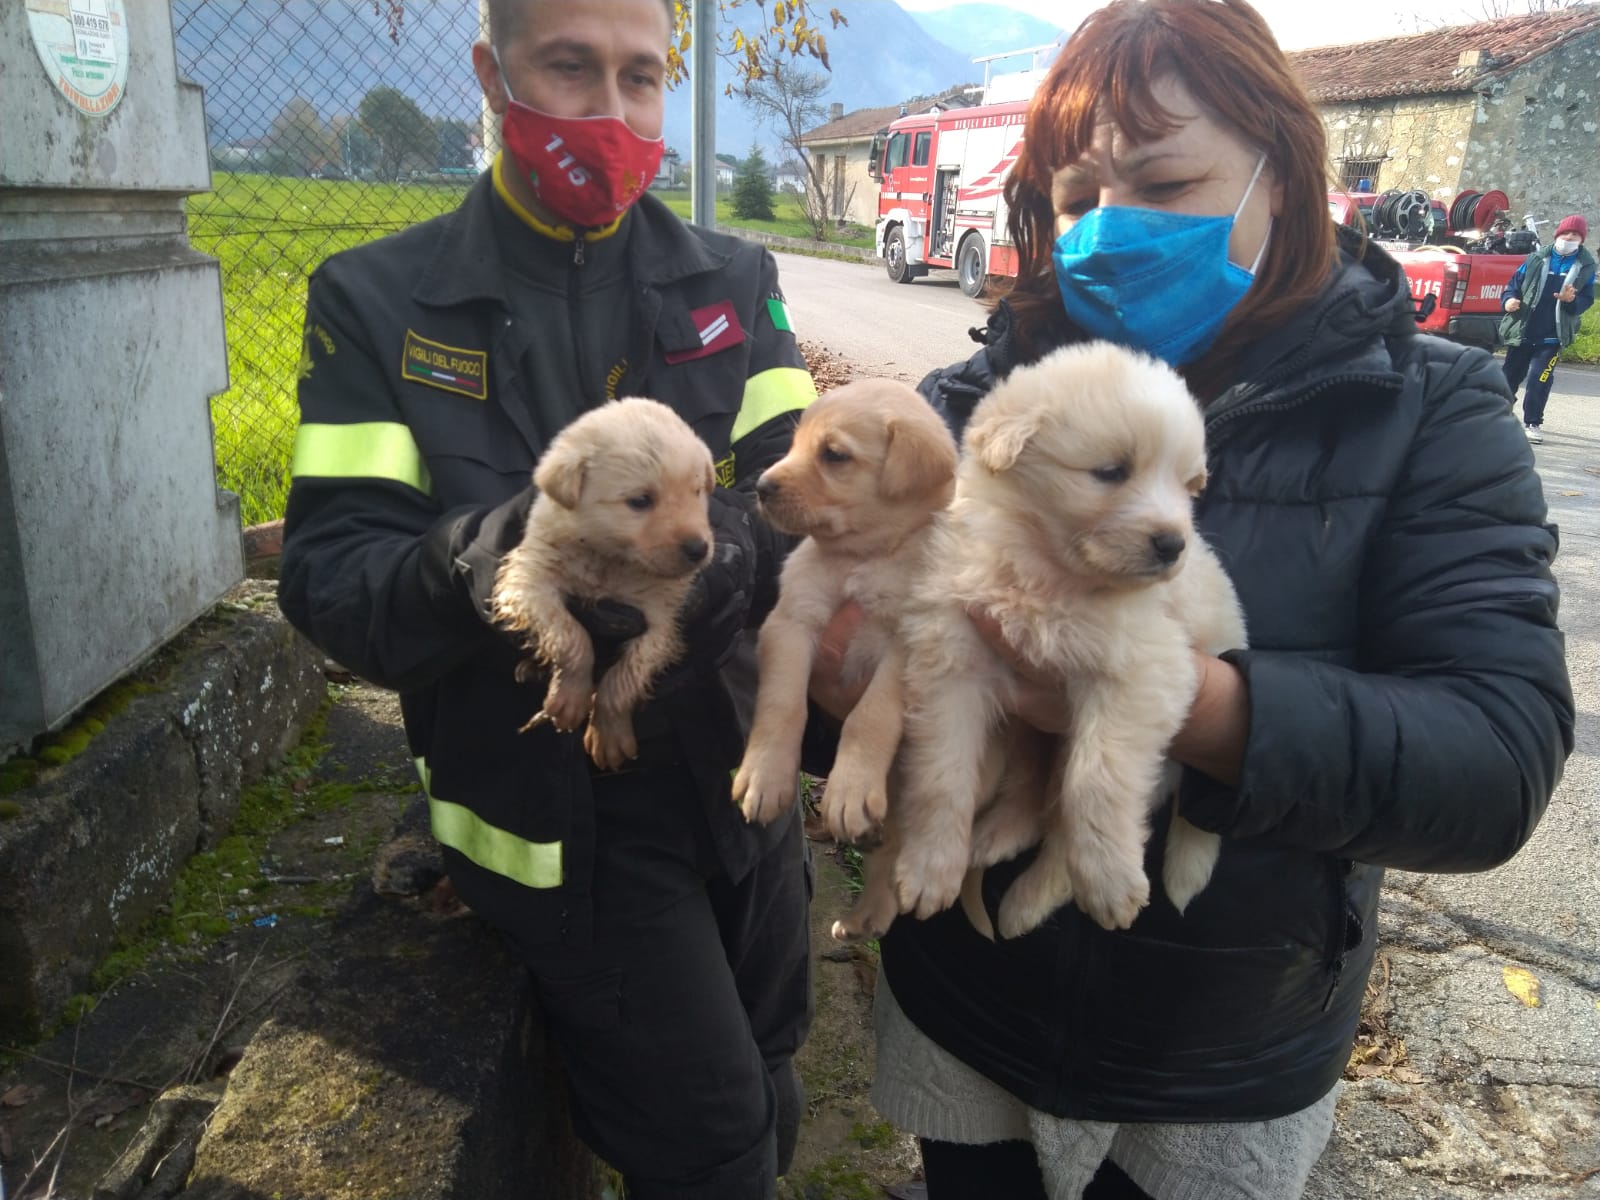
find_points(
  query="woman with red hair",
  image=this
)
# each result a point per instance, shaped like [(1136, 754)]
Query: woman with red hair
[(1404, 701)]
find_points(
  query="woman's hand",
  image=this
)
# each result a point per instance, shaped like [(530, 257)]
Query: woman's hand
[(1211, 740), (1213, 737), (828, 688), (1513, 304), (1568, 294), (1039, 695)]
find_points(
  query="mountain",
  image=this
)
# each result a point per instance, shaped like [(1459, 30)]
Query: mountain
[(254, 57), (881, 57), (981, 29)]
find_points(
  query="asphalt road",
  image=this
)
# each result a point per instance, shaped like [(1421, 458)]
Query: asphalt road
[(1449, 940)]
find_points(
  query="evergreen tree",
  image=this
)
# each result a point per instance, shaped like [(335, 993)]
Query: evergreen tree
[(752, 188)]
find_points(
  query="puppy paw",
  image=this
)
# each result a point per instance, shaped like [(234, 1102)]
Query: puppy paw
[(854, 803), (1110, 888), (610, 743), (927, 879), (857, 926), (567, 704), (764, 786), (1028, 903)]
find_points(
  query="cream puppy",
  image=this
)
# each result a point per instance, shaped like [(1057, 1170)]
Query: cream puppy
[(622, 515), (1071, 526), (869, 466)]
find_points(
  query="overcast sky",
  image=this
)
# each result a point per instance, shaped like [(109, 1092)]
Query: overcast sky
[(1297, 23)]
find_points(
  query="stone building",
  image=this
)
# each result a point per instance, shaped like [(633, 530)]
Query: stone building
[(1511, 104)]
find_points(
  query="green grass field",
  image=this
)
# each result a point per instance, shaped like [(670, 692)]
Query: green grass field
[(1585, 347), (269, 233), (788, 218)]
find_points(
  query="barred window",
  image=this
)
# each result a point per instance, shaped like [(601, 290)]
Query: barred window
[(1353, 170)]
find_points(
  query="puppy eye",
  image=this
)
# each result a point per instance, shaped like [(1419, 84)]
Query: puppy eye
[(643, 502), (1111, 473), (830, 455)]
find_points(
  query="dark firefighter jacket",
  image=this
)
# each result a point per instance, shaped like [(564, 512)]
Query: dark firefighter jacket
[(1377, 508), (417, 437)]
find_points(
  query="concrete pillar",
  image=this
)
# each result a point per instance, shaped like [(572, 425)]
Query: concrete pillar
[(113, 535)]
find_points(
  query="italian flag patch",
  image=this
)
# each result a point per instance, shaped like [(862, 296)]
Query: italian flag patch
[(779, 312)]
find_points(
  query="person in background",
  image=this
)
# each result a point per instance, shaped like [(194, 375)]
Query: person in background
[(666, 939), (1544, 303), (1404, 700)]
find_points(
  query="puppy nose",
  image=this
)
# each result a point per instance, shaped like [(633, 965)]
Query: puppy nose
[(1168, 546), (766, 487), (694, 548)]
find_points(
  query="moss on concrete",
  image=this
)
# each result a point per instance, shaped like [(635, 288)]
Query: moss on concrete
[(21, 772), (218, 890)]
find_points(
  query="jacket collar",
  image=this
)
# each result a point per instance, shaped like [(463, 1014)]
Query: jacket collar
[(1342, 335), (465, 264)]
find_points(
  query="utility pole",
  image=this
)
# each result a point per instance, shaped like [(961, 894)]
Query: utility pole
[(703, 113)]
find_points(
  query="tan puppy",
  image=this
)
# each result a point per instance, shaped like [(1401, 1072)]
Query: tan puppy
[(621, 515), (1071, 526), (870, 465)]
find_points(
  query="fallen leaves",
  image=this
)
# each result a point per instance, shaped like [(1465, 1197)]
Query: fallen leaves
[(1379, 1053), (22, 1093), (1523, 984), (826, 367)]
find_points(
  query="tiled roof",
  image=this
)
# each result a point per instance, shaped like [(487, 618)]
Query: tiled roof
[(864, 122), (1423, 63)]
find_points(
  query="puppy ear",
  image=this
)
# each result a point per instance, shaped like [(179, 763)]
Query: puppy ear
[(915, 462), (998, 440), (711, 474), (560, 476)]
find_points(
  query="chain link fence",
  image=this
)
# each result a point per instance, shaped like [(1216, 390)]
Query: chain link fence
[(329, 126)]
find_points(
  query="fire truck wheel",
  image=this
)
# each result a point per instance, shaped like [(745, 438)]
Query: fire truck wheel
[(894, 256), (972, 265)]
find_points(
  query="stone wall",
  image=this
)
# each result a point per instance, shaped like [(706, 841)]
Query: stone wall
[(1536, 135), (1421, 140)]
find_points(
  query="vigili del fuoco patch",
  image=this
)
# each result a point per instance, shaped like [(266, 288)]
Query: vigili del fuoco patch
[(448, 368)]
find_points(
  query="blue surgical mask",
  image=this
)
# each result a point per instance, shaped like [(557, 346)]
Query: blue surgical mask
[(1151, 280)]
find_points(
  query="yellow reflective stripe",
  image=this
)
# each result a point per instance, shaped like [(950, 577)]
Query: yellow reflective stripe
[(532, 864), (364, 450), (771, 393)]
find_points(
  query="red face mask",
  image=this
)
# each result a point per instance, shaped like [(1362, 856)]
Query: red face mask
[(584, 170)]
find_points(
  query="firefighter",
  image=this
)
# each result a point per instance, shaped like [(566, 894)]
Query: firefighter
[(1543, 303), (667, 940)]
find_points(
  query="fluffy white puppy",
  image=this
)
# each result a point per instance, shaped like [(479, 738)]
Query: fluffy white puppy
[(1071, 526)]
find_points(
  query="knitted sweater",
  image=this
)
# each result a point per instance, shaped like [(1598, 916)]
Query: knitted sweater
[(929, 1092)]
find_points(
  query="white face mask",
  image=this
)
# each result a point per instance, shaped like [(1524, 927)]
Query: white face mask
[(1567, 245)]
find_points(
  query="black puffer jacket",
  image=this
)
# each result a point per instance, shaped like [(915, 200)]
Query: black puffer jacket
[(1376, 505)]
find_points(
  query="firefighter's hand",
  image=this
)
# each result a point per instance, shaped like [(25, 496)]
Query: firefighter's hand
[(828, 688), (1568, 294), (609, 623), (1513, 304), (718, 608)]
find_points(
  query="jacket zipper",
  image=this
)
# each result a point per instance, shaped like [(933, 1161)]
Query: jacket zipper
[(573, 310)]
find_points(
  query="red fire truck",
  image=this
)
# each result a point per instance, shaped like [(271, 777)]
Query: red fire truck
[(940, 178), (1457, 258)]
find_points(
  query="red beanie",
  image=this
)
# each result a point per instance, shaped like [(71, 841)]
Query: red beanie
[(1573, 224)]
